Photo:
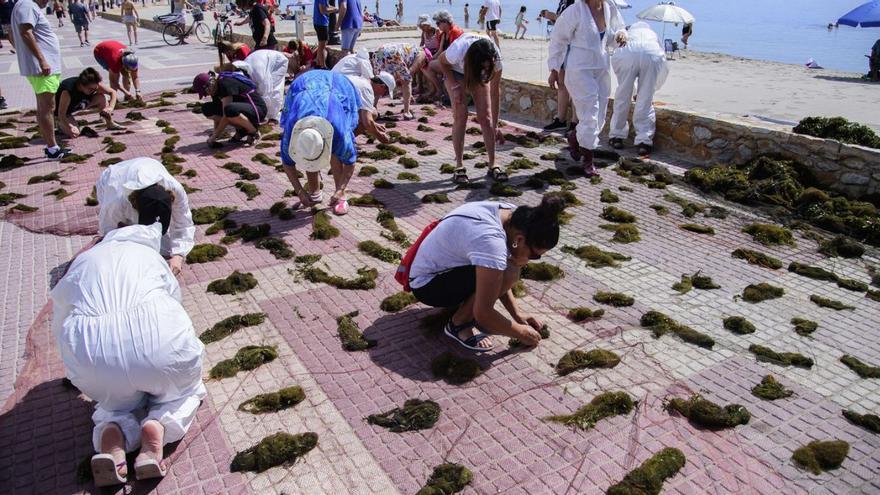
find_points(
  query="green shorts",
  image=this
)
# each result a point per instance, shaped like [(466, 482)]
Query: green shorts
[(45, 84)]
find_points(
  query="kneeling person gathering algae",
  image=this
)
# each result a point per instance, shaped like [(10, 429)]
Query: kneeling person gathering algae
[(128, 344), (473, 257), (320, 119)]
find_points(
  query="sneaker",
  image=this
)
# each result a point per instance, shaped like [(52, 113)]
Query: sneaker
[(58, 154), (645, 149), (556, 124), (81, 44), (3, 104), (616, 143), (87, 43)]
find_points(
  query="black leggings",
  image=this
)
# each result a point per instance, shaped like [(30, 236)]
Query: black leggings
[(211, 109), (450, 288)]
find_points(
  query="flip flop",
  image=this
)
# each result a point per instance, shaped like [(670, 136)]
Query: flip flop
[(459, 176), (498, 174), (105, 470), (149, 468), (341, 207), (451, 330), (408, 116)]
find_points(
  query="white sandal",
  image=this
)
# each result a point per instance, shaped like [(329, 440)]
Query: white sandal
[(105, 470), (149, 468)]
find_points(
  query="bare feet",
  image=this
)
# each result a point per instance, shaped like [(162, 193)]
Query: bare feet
[(113, 443)]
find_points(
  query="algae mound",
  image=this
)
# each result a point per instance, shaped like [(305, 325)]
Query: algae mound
[(350, 335), (596, 257), (616, 215), (769, 235), (824, 302), (203, 253), (438, 198), (604, 405), (274, 401), (739, 325), (541, 271), (841, 246), (755, 293), (607, 196), (838, 128), (707, 414), (661, 324), (861, 368), (276, 246), (235, 283), (455, 370), (615, 299), (447, 479), (247, 358), (813, 272), (249, 190), (416, 414), (397, 302), (648, 478), (228, 326), (274, 450), (870, 422), (581, 314), (376, 250), (821, 456), (804, 327), (781, 358), (365, 280), (577, 360), (757, 258), (697, 228), (770, 389), (322, 229)]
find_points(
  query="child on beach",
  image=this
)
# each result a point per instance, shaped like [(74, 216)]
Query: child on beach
[(467, 16), (481, 17), (520, 22)]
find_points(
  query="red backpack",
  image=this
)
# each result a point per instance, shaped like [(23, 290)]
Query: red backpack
[(402, 274)]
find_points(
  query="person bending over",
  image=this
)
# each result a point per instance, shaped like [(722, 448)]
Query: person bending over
[(359, 71), (322, 114), (402, 61), (140, 190), (128, 344), (472, 259), (119, 62), (80, 93), (234, 101)]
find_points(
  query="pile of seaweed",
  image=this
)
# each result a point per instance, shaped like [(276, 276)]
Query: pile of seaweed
[(840, 129), (649, 477), (602, 406), (707, 414), (447, 479), (416, 414), (790, 185), (274, 450)]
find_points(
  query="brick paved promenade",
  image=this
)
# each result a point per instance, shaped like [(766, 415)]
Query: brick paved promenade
[(493, 425)]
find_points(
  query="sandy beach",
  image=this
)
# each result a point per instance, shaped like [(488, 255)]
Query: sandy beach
[(717, 84)]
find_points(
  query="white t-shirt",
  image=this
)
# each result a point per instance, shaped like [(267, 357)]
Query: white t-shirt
[(471, 234), (493, 12), (365, 91), (354, 65), (28, 12), (457, 50)]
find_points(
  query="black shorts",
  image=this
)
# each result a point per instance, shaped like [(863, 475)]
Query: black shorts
[(450, 288), (492, 25), (211, 109), (323, 32)]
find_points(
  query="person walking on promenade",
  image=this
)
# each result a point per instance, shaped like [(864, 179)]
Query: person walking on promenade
[(350, 21), (58, 7), (39, 60), (79, 16), (472, 66), (131, 19), (128, 344), (686, 31), (120, 63), (472, 258), (521, 22), (591, 28), (642, 60), (262, 30), (493, 18)]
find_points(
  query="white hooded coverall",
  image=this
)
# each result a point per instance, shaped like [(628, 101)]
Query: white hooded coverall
[(121, 179), (126, 341), (267, 69), (642, 59), (587, 71)]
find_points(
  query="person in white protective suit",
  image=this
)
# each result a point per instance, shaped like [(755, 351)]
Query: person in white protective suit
[(592, 28), (139, 190), (267, 69), (642, 59), (128, 344)]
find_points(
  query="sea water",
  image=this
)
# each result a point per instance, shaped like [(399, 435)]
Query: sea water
[(790, 31)]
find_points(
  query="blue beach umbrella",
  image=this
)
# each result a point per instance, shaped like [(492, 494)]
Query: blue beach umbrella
[(865, 15)]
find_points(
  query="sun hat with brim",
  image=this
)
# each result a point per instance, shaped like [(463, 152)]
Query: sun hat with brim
[(388, 79), (310, 144), (423, 19), (200, 84)]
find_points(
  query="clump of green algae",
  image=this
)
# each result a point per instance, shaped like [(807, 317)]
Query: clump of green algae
[(274, 450), (447, 479), (228, 326), (697, 228), (376, 250), (397, 302), (861, 368), (770, 389), (616, 299), (604, 405), (757, 258), (322, 229), (247, 358), (416, 414), (596, 257), (455, 370), (581, 314), (365, 280), (577, 359), (781, 358), (870, 422), (235, 283), (707, 414), (541, 271), (203, 253), (804, 327), (821, 456), (824, 302), (769, 235), (648, 478), (616, 215), (661, 324), (274, 401), (755, 293), (739, 325), (350, 335)]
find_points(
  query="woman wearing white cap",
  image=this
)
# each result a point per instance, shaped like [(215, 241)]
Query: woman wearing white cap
[(140, 190), (591, 28), (370, 86), (322, 113), (128, 344)]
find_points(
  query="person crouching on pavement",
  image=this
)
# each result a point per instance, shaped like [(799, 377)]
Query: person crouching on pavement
[(234, 101), (80, 93)]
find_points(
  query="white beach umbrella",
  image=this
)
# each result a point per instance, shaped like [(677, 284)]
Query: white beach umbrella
[(622, 5), (666, 12)]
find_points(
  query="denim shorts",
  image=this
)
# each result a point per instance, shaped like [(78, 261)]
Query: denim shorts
[(349, 37)]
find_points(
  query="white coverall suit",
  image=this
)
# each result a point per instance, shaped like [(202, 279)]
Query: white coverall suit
[(126, 341), (587, 71), (121, 179), (642, 59), (267, 69)]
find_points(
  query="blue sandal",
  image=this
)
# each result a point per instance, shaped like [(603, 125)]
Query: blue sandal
[(451, 330)]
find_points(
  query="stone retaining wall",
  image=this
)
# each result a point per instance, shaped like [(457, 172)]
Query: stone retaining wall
[(849, 169)]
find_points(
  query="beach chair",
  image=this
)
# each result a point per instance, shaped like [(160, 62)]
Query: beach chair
[(671, 47)]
